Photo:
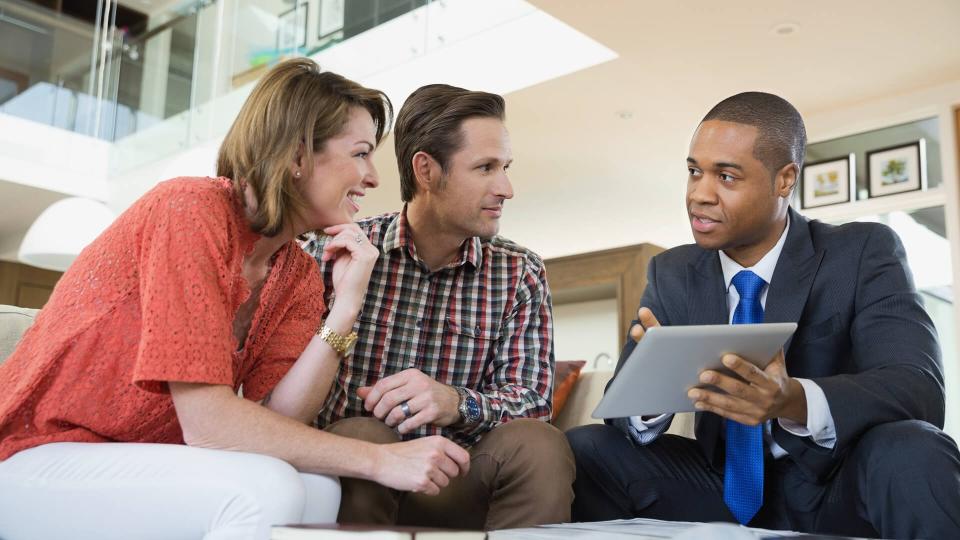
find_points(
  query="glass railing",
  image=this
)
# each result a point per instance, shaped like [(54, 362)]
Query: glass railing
[(178, 80), (154, 74), (100, 80), (239, 41), (45, 60), (64, 72)]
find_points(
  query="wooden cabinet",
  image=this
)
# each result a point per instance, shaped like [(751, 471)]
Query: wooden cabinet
[(26, 286), (619, 273)]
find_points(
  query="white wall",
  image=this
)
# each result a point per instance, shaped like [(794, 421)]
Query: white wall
[(54, 159), (584, 330)]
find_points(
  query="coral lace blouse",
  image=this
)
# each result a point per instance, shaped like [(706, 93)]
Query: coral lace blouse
[(152, 300)]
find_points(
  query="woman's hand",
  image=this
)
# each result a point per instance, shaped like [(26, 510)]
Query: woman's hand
[(353, 258)]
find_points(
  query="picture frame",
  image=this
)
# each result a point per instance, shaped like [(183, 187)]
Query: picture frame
[(828, 182), (292, 28), (896, 169)]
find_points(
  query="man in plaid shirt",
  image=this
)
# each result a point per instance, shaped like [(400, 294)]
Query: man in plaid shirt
[(455, 336)]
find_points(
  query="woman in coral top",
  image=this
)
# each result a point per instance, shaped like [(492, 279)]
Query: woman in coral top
[(121, 414)]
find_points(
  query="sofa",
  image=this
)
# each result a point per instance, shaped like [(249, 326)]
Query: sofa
[(14, 321), (583, 397)]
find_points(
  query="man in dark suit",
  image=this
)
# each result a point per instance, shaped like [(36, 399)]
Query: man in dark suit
[(841, 433)]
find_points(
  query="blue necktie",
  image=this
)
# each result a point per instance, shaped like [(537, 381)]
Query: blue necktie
[(743, 473)]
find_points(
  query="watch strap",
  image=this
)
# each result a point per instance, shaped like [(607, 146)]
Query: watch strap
[(338, 342)]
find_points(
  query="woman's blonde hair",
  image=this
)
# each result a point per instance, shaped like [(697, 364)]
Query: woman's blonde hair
[(293, 103)]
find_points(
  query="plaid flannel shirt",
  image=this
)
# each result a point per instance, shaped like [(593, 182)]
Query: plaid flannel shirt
[(482, 323)]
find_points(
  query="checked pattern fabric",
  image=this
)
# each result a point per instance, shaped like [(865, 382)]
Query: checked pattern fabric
[(482, 323), (743, 472)]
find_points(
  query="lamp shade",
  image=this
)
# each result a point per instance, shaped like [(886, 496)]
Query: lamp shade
[(62, 231)]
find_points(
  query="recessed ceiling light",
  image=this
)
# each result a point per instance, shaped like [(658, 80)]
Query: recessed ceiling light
[(785, 29)]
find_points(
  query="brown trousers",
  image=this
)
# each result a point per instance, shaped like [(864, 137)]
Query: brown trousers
[(521, 474)]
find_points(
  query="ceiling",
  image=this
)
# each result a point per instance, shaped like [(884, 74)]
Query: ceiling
[(600, 154)]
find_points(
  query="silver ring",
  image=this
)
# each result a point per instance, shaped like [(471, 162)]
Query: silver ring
[(406, 409), (359, 238)]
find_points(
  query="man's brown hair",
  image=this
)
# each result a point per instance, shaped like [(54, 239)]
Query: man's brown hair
[(430, 121), (292, 104)]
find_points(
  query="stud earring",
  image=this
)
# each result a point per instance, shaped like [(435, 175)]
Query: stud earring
[(297, 174)]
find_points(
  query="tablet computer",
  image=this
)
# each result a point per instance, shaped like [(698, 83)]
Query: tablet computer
[(668, 361)]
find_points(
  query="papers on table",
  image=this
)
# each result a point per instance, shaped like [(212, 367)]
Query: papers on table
[(639, 529)]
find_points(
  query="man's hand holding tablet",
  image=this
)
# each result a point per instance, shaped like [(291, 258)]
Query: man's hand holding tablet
[(698, 361), (757, 396)]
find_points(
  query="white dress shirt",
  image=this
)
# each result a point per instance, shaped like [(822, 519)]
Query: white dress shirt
[(819, 427)]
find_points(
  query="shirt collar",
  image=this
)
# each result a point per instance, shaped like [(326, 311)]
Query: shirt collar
[(764, 267), (397, 236)]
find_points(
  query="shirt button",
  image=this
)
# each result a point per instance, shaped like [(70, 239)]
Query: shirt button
[(476, 330), (419, 323)]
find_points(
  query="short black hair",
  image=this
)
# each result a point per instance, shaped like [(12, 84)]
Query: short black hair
[(782, 137)]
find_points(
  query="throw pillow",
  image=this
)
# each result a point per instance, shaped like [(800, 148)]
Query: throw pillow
[(564, 378)]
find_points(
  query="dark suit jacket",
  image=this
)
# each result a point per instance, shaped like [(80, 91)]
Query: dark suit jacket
[(863, 335)]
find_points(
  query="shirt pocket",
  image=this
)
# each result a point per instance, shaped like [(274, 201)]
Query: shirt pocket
[(470, 343), (468, 328)]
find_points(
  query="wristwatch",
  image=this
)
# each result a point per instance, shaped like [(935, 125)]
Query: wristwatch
[(343, 345), (469, 407)]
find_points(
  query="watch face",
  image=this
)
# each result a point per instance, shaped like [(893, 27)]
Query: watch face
[(473, 409)]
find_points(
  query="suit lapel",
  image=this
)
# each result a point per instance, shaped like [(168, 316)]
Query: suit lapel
[(707, 299), (793, 275), (707, 304)]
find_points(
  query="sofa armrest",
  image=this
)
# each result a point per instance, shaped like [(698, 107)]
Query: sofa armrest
[(14, 321)]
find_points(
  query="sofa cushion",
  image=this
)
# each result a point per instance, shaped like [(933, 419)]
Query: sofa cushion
[(582, 400), (14, 321)]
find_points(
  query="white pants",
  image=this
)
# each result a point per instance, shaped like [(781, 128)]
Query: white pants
[(155, 491)]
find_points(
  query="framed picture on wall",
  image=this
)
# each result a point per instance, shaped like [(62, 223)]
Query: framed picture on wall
[(292, 29), (828, 182), (897, 169)]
